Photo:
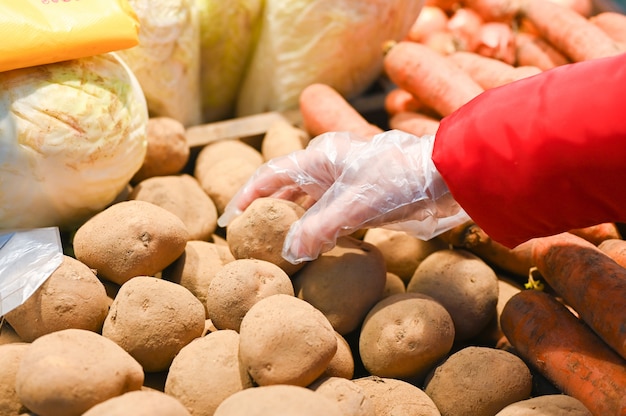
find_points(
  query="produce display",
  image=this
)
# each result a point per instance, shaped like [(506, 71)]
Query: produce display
[(158, 308)]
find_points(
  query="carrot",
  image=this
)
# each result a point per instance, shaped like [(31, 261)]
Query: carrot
[(496, 40), (495, 10), (465, 24), (547, 336), (469, 236), (398, 100), (324, 109), (490, 72), (532, 50), (571, 33), (430, 19), (442, 41), (429, 76), (613, 24), (615, 248), (588, 280), (598, 233), (417, 124)]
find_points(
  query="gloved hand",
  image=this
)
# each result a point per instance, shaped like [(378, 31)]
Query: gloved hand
[(387, 181)]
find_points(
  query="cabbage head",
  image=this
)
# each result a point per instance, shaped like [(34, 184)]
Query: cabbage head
[(72, 135), (228, 33), (167, 60), (335, 42)]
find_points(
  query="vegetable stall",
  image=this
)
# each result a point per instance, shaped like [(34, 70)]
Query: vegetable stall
[(121, 293)]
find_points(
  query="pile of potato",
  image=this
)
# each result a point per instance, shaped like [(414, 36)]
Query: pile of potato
[(156, 310)]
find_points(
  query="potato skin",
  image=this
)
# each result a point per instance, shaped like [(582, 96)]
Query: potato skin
[(349, 396), (67, 372), (10, 358), (550, 404), (393, 397), (130, 238), (404, 336), (140, 403), (479, 381), (285, 340)]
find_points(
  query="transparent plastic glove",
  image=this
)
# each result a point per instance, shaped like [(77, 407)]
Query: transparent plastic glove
[(389, 181)]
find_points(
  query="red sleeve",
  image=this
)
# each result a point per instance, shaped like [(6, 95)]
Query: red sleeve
[(542, 155)]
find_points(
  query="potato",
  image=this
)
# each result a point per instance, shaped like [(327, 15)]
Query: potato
[(278, 400), (344, 282), (285, 340), (260, 231), (393, 397), (72, 297), (206, 371), (7, 333), (181, 195), (492, 333), (130, 238), (69, 371), (401, 251), (167, 152), (349, 396), (547, 405), (478, 381), (196, 267), (393, 285), (10, 359), (342, 363), (240, 284), (404, 336), (153, 319), (223, 167), (140, 403), (283, 138), (464, 284)]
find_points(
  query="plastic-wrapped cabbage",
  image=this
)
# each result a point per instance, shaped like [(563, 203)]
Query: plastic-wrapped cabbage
[(72, 135), (167, 60), (336, 42), (228, 32)]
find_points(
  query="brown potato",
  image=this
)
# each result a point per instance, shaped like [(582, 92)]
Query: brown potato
[(404, 336), (285, 340), (283, 138), (260, 231), (167, 152), (140, 403), (393, 397), (240, 284), (225, 149), (130, 238), (344, 282), (206, 371), (8, 334), (69, 371), (464, 284), (181, 195), (350, 397), (402, 252), (197, 266), (153, 319), (547, 405), (10, 359), (393, 285), (342, 363), (72, 297), (478, 381), (278, 400)]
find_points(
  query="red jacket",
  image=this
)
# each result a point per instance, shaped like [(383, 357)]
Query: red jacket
[(542, 155)]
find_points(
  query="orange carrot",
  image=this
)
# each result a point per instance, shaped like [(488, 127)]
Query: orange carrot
[(398, 100), (532, 50), (430, 19), (598, 233), (429, 76), (496, 40), (442, 41), (324, 109), (547, 336), (613, 24), (592, 283), (415, 123), (615, 248), (571, 33), (465, 24), (490, 72), (495, 10)]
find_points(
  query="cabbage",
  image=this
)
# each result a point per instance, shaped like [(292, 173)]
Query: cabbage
[(336, 42), (167, 60), (228, 30), (72, 135)]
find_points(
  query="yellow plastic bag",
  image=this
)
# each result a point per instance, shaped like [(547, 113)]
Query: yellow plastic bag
[(36, 32)]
